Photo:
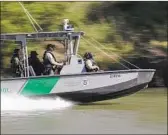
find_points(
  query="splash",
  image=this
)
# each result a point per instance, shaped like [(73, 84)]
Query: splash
[(20, 103)]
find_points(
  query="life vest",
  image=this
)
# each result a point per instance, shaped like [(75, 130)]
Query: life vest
[(93, 64), (46, 62)]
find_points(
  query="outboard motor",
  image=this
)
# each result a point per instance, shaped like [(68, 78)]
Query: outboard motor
[(66, 26)]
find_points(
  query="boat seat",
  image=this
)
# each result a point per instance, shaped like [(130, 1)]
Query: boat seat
[(31, 70)]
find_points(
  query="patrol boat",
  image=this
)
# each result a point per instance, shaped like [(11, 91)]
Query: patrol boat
[(73, 83)]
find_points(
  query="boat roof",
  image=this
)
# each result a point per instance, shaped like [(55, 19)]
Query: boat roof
[(59, 34)]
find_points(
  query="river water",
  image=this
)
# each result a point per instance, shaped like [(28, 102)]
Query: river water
[(141, 113)]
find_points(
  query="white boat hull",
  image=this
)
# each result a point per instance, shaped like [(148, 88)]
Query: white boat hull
[(88, 87)]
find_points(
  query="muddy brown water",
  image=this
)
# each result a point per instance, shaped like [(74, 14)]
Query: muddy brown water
[(141, 113)]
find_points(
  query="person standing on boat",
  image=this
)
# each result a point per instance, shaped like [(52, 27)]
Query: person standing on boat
[(90, 63), (16, 65), (49, 61), (36, 63)]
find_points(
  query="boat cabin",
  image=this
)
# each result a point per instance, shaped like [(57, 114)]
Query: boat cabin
[(69, 39)]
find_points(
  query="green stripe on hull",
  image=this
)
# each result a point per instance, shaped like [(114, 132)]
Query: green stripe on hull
[(39, 86)]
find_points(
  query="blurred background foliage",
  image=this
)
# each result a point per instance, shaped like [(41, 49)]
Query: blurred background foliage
[(136, 31)]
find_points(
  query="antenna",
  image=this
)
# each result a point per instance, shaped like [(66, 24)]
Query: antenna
[(31, 19)]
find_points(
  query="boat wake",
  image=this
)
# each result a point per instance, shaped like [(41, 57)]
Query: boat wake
[(20, 103)]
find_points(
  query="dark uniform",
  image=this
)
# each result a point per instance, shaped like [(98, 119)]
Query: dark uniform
[(35, 63), (16, 66)]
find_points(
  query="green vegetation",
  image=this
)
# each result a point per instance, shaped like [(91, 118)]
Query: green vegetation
[(121, 27)]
